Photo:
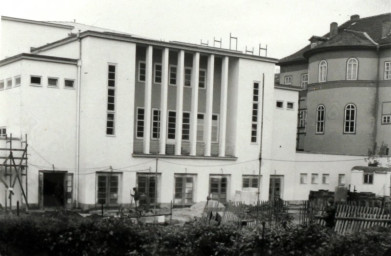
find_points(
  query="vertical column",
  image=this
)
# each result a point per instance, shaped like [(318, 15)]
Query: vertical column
[(147, 100), (179, 102), (163, 102), (209, 105), (223, 106), (194, 103)]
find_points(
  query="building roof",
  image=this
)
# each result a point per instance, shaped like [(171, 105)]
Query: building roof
[(372, 169), (356, 32), (36, 57)]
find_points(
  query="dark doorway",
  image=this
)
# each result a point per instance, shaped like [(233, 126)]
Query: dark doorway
[(275, 187), (53, 189)]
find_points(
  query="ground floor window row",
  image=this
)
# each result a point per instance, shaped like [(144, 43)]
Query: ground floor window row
[(320, 178), (37, 80)]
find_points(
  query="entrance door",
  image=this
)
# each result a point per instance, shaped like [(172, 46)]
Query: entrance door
[(275, 187), (53, 189), (147, 186), (218, 188)]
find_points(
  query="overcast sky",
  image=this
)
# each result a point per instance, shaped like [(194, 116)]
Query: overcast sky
[(284, 25)]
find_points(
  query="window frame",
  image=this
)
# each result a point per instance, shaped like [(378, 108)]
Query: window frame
[(168, 126), (387, 71), (137, 122), (282, 104), (36, 84), (53, 86), (341, 177), (69, 80), (153, 122), (2, 83), (251, 178), (325, 180), (322, 71), (170, 75), (3, 131), (288, 80), (109, 112), (205, 79), (200, 125), (385, 117), (304, 83), (302, 118), (8, 84), (368, 178), (354, 120), (255, 112), (185, 78), (184, 176), (108, 191), (139, 71), (320, 123), (20, 81), (155, 65), (303, 178), (314, 178), (217, 128), (353, 70), (290, 108), (183, 123)]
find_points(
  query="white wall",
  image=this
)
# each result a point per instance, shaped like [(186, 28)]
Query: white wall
[(381, 183)]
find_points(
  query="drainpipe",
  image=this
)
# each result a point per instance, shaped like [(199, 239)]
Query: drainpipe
[(261, 142), (79, 65), (376, 100)]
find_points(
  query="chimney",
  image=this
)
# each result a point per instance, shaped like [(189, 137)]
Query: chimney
[(385, 30), (333, 29), (354, 17)]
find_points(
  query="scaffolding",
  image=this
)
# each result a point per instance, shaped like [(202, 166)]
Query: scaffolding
[(13, 167)]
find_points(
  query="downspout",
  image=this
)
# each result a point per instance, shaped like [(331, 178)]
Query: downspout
[(78, 95), (261, 142), (376, 100)]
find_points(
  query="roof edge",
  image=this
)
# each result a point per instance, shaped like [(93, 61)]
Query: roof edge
[(43, 23), (288, 88), (29, 56), (310, 52)]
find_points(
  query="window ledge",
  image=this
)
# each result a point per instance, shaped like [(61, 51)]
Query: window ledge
[(226, 158), (36, 85)]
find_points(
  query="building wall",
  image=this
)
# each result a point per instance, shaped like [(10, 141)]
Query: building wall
[(296, 71), (70, 50), (381, 183)]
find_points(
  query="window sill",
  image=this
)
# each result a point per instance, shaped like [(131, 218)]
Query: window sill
[(54, 87), (226, 158), (36, 85)]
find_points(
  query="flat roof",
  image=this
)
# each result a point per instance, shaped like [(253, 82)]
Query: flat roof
[(35, 22), (29, 56)]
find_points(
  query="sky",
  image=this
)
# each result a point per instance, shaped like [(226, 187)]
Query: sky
[(283, 25)]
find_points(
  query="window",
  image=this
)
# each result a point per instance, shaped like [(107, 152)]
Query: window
[(155, 123), (52, 82), (368, 178), (3, 132), (314, 178), (141, 71), (35, 80), (320, 122), (71, 83), (350, 119), (386, 113), (140, 123), (215, 128), (250, 181), (108, 188), (9, 83), (288, 80), (171, 125), (202, 79), (322, 71), (18, 81), (172, 75), (110, 124), (148, 185), (187, 77), (303, 178), (289, 105), (341, 179), (325, 178), (279, 104), (254, 120), (186, 126), (184, 189), (304, 81), (200, 127), (218, 185), (302, 118), (351, 69), (1, 84), (157, 73), (387, 70)]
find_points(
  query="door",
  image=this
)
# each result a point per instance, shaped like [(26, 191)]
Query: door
[(218, 188), (53, 189), (184, 187), (275, 187), (147, 186), (108, 188)]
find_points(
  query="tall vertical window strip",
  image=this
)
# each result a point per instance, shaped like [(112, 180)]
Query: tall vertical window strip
[(387, 70), (141, 71), (350, 119), (188, 77), (304, 81), (171, 124), (254, 123), (186, 126), (215, 128), (158, 73), (322, 71), (202, 79), (110, 125), (302, 118), (172, 75), (320, 116), (200, 127), (351, 69), (140, 123), (155, 124)]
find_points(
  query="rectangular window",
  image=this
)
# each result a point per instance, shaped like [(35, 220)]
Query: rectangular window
[(140, 123), (1, 84), (3, 132), (303, 178), (254, 120), (250, 181), (290, 105), (215, 128), (202, 79), (184, 189), (110, 125), (386, 113), (186, 126), (158, 73), (171, 125), (18, 81), (9, 83), (68, 83), (341, 179), (35, 80), (108, 188), (155, 124), (314, 178), (279, 104), (148, 184), (325, 178), (188, 77), (304, 81), (172, 78), (218, 186), (288, 80), (387, 70), (200, 127), (368, 178), (302, 118), (141, 71), (52, 82)]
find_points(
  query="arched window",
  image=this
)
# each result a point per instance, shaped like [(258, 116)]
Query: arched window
[(351, 69), (322, 71), (350, 119), (320, 119)]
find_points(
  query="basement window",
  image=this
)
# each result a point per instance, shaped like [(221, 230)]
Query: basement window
[(35, 80), (279, 104), (68, 83)]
